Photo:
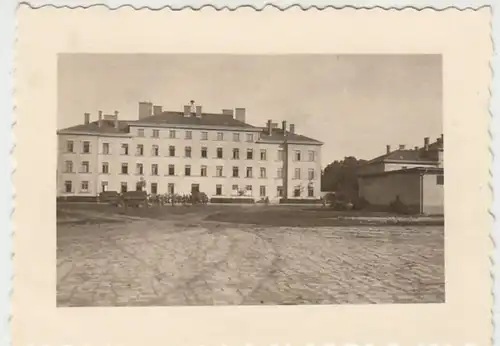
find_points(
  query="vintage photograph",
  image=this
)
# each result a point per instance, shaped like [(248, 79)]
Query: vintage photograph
[(249, 179)]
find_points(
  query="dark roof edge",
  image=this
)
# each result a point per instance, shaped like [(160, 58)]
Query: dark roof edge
[(420, 170)]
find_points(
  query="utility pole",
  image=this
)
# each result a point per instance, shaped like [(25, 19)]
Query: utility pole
[(285, 162)]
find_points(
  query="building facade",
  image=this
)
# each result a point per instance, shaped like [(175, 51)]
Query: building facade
[(415, 177), (181, 152)]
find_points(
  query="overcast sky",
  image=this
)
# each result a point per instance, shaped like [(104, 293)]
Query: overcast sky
[(355, 104)]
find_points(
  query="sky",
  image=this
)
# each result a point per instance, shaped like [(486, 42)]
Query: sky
[(355, 104)]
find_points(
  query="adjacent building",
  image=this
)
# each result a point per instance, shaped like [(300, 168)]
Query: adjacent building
[(186, 151), (414, 176)]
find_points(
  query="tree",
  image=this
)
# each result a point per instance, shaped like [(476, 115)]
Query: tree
[(342, 177)]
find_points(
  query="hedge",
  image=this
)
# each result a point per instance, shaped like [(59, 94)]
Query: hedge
[(77, 199), (300, 201), (232, 200)]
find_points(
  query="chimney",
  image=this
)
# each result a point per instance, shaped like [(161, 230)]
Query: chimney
[(187, 110), (292, 128), (269, 127), (239, 114), (416, 148), (99, 122), (402, 147), (283, 126), (193, 107), (426, 143), (157, 109), (145, 110), (388, 149), (198, 111), (117, 124), (228, 112), (86, 118)]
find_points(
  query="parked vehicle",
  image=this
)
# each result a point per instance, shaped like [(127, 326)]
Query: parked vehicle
[(110, 197), (135, 199)]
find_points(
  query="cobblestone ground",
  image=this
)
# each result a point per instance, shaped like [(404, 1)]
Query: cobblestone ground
[(154, 263)]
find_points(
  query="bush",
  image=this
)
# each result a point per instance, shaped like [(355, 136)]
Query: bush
[(360, 203), (232, 200), (397, 206), (300, 201)]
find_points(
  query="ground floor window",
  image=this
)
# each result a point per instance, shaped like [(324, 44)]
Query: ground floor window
[(296, 191), (249, 189), (218, 190), (104, 186), (171, 188), (262, 191), (123, 187), (154, 188), (68, 186), (310, 191), (279, 191), (84, 186), (440, 179)]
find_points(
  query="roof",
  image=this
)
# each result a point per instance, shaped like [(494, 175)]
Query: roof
[(277, 135), (107, 127), (207, 119), (414, 170), (411, 155)]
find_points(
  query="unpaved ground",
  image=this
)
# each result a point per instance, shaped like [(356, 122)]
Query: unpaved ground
[(186, 260)]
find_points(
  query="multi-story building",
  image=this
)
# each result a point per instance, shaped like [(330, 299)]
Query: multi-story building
[(181, 152)]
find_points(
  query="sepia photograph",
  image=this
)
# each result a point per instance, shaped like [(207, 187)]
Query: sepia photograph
[(217, 179)]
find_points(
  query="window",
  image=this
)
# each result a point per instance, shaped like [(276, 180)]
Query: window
[(263, 154), (70, 147), (204, 152), (218, 190), (249, 189), (171, 188), (310, 174), (86, 147), (279, 173), (187, 151), (124, 168), (140, 133), (154, 188), (310, 191), (105, 148), (154, 169), (280, 191), (124, 150), (171, 170), (249, 137), (156, 134), (220, 136), (262, 191), (171, 151), (123, 187), (68, 186), (203, 171), (236, 137), (85, 167), (281, 155), (234, 188), (187, 170), (188, 135), (204, 135), (262, 172), (249, 154), (104, 186), (84, 186), (218, 171), (68, 167), (249, 172), (236, 172), (155, 151), (219, 153), (140, 150), (171, 134), (296, 155), (236, 154), (296, 174), (296, 191), (312, 155), (440, 179), (105, 168), (139, 169)]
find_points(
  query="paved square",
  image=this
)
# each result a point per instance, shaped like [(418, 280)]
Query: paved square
[(186, 260)]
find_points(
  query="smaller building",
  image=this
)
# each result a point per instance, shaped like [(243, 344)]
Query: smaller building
[(415, 177)]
